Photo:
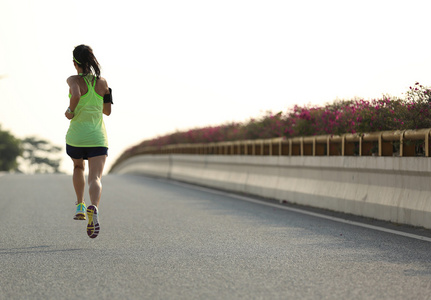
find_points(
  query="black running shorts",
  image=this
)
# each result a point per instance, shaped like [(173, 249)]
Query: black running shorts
[(85, 152)]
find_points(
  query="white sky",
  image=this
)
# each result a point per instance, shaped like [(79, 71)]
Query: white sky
[(179, 64)]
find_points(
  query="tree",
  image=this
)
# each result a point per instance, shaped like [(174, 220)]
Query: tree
[(9, 151), (40, 156)]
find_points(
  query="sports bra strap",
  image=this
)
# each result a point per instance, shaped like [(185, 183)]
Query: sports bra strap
[(88, 83)]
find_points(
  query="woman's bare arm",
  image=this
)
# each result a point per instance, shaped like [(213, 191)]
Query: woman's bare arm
[(75, 95), (106, 106)]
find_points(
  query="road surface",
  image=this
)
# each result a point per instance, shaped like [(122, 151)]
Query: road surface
[(165, 240)]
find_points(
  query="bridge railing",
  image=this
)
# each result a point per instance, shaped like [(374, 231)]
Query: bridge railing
[(385, 143)]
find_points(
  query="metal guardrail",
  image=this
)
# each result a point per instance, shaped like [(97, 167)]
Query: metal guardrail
[(385, 143)]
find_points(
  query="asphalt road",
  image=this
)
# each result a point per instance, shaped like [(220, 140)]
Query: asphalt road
[(164, 240)]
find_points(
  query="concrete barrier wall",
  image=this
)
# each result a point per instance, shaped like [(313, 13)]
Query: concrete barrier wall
[(393, 189)]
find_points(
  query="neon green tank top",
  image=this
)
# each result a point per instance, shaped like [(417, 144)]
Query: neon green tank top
[(87, 128)]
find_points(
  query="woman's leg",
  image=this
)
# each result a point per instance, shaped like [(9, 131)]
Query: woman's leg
[(95, 165), (79, 179)]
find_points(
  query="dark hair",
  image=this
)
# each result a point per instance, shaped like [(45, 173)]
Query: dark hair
[(84, 57)]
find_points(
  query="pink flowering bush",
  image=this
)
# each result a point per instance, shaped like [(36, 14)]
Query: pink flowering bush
[(268, 126), (380, 114), (335, 119), (417, 107), (227, 132), (355, 116)]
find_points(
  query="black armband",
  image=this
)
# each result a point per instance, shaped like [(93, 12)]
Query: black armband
[(108, 97)]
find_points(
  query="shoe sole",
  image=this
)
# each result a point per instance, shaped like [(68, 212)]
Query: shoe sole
[(80, 216), (92, 229)]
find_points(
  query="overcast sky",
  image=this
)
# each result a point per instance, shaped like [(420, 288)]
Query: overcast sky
[(176, 65)]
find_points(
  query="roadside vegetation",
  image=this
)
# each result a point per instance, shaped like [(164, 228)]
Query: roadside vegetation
[(29, 155), (357, 116)]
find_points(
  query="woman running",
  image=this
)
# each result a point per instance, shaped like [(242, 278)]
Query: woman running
[(86, 139)]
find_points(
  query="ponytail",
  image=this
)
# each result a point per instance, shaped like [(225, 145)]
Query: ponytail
[(84, 57)]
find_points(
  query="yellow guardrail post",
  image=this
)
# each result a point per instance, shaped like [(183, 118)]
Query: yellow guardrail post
[(380, 144), (402, 143), (301, 146), (343, 144), (314, 146), (427, 146), (290, 147), (280, 147)]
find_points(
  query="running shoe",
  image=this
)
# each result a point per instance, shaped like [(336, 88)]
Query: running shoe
[(80, 211), (93, 226)]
